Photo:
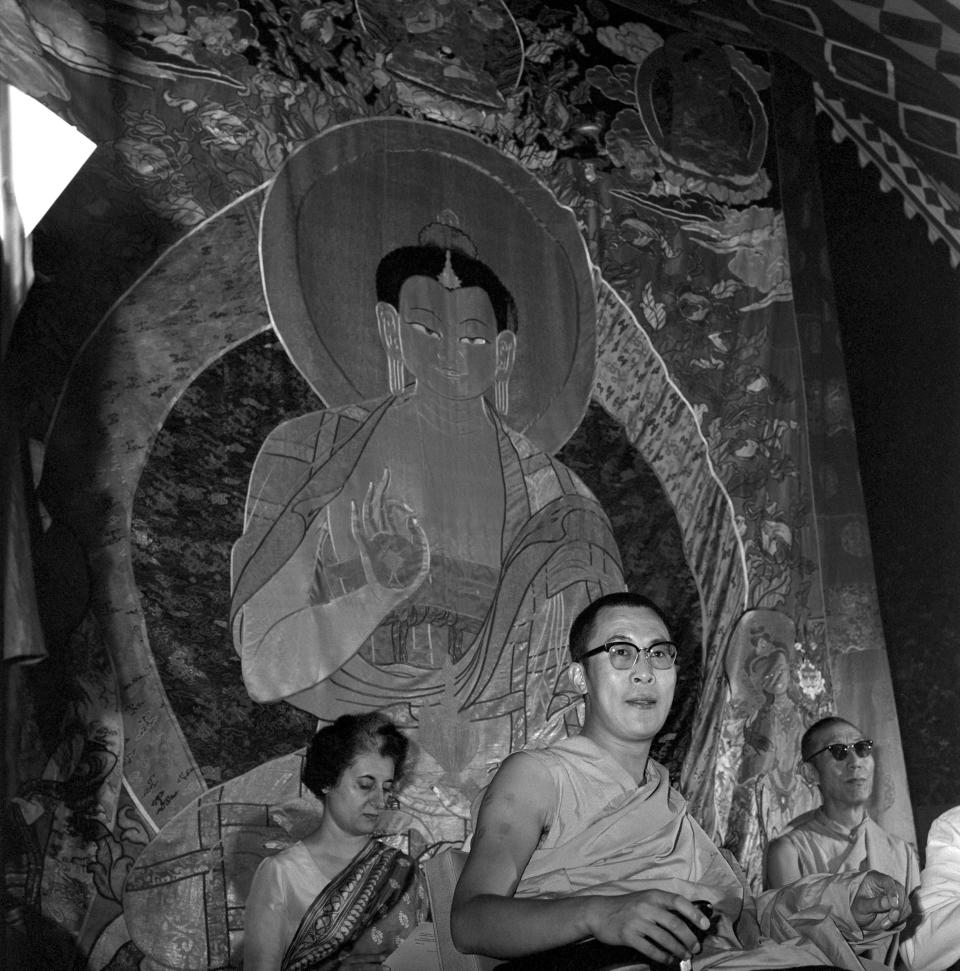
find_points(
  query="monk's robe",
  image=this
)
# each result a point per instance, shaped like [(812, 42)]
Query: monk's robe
[(608, 835), (824, 846)]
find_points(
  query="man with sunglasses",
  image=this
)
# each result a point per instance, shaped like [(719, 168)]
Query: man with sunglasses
[(839, 835), (585, 844)]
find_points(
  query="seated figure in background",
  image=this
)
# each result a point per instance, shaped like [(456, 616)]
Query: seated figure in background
[(932, 939), (839, 835), (338, 897), (587, 839)]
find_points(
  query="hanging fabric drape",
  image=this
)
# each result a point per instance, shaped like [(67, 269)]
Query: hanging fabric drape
[(248, 459)]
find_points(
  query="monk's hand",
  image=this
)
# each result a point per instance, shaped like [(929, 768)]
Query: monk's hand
[(880, 903), (658, 924)]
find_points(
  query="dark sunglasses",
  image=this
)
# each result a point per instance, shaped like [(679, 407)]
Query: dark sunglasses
[(839, 750)]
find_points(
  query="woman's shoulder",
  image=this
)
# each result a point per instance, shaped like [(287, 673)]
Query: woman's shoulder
[(293, 857)]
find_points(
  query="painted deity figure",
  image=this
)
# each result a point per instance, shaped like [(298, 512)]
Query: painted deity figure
[(415, 553), (770, 736), (765, 693), (771, 742), (704, 123)]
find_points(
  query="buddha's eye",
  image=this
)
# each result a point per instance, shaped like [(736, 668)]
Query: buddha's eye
[(422, 328)]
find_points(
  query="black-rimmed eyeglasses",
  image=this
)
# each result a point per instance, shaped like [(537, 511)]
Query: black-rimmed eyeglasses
[(839, 750), (623, 654)]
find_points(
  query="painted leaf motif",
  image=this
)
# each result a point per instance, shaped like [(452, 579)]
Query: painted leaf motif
[(540, 52), (654, 311), (774, 534), (535, 158), (724, 288)]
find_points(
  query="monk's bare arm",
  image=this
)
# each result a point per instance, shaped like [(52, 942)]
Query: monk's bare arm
[(783, 864), (486, 918)]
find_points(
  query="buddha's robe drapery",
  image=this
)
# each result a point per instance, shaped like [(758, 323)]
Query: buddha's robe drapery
[(497, 655)]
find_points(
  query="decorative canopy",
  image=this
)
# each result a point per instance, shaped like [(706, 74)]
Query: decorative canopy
[(887, 72)]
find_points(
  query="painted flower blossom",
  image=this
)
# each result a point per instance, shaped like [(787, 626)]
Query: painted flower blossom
[(775, 536), (693, 306), (812, 682), (635, 42)]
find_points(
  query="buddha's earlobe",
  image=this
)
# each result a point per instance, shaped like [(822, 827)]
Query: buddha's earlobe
[(506, 354), (501, 395), (388, 324)]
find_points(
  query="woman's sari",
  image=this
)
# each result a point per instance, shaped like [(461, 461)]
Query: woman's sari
[(363, 913)]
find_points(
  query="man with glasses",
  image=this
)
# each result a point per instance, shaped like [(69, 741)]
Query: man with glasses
[(839, 835), (584, 855)]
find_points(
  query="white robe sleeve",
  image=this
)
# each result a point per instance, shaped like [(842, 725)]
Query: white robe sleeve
[(934, 942)]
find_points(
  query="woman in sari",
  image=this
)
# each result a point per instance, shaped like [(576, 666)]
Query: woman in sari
[(338, 897)]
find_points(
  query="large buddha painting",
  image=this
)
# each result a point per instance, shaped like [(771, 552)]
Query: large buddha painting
[(421, 550)]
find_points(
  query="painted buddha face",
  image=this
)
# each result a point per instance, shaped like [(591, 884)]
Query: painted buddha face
[(773, 674), (448, 338)]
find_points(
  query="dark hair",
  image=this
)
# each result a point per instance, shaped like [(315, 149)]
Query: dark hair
[(429, 260), (582, 627), (336, 746), (808, 741)]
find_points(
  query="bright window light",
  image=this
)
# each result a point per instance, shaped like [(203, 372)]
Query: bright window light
[(46, 154)]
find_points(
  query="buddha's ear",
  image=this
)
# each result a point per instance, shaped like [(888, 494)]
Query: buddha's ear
[(506, 353), (388, 323), (578, 677)]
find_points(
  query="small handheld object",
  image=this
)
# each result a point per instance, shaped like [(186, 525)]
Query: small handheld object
[(705, 908)]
